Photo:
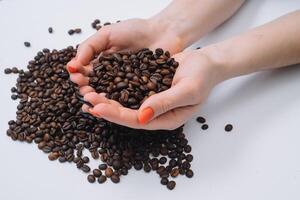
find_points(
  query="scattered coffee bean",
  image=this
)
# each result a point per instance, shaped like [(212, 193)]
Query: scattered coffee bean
[(171, 185), (71, 32), (77, 30), (7, 71), (91, 178), (108, 172), (204, 126), (228, 128), (189, 173), (102, 166), (201, 120), (85, 168), (50, 30), (102, 179), (27, 44), (97, 173), (115, 178), (164, 181)]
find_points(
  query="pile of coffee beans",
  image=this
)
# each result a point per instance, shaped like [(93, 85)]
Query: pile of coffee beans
[(49, 114), (130, 78)]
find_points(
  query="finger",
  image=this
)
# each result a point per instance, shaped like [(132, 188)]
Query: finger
[(88, 49), (79, 79), (85, 89), (95, 98), (178, 116), (116, 114), (177, 96)]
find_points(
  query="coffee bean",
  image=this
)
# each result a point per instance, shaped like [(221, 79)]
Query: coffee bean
[(204, 126), (201, 120), (14, 70), (162, 160), (174, 172), (50, 30), (189, 157), (7, 71), (108, 172), (115, 178), (53, 156), (86, 159), (189, 173), (97, 172), (91, 178), (71, 32), (77, 30), (228, 128), (27, 44), (171, 185), (102, 179), (85, 168), (164, 181), (102, 166)]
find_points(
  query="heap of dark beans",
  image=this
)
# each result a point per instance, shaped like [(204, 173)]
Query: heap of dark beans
[(49, 114), (130, 78)]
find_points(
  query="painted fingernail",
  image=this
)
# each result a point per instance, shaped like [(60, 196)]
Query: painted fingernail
[(146, 115), (72, 69)]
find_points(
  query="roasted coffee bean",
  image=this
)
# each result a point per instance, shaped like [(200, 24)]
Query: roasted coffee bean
[(174, 172), (147, 168), (108, 172), (86, 159), (27, 44), (71, 32), (189, 173), (97, 172), (77, 30), (189, 157), (164, 181), (201, 120), (91, 178), (115, 178), (102, 179), (14, 70), (228, 128), (7, 71), (187, 149), (204, 126), (102, 166), (50, 30), (171, 185), (53, 156), (85, 168), (162, 160)]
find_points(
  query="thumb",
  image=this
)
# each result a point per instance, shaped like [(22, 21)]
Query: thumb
[(87, 51), (177, 96)]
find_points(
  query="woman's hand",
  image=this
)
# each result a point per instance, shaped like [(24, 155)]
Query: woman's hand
[(196, 75), (129, 35)]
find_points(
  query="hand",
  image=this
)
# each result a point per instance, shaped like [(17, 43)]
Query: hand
[(196, 75), (129, 35)]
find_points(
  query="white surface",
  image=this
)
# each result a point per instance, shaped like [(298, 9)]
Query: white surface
[(258, 160)]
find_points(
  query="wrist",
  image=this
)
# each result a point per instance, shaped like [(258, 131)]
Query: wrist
[(220, 60), (168, 26)]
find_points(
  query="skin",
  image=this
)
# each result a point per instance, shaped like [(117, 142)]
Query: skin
[(199, 70)]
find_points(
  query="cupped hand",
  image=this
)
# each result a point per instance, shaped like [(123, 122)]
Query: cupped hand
[(129, 35), (196, 75)]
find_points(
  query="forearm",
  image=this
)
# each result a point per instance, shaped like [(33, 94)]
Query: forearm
[(192, 19), (275, 44)]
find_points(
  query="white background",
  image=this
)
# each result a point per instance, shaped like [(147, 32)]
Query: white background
[(259, 159)]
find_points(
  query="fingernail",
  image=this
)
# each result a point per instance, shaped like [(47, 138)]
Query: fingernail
[(72, 69), (146, 115)]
